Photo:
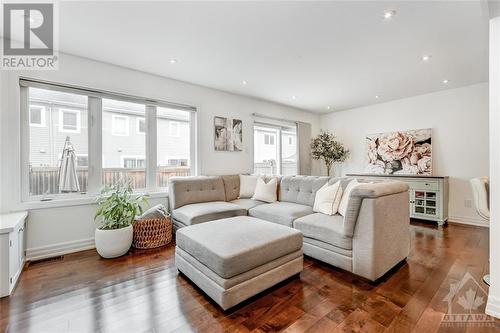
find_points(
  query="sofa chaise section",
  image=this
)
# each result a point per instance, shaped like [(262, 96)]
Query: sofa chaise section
[(372, 238)]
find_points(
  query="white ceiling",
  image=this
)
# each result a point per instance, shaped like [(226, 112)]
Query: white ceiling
[(340, 54)]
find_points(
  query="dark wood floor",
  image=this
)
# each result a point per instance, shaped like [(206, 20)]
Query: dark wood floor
[(142, 292)]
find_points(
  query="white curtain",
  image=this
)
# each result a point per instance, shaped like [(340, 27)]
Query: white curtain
[(304, 147)]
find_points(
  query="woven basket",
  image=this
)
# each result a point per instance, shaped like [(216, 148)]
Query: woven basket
[(151, 233)]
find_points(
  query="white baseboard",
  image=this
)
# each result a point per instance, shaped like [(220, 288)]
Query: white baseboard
[(469, 220), (493, 307), (59, 249)]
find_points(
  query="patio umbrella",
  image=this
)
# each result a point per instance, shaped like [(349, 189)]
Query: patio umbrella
[(68, 179)]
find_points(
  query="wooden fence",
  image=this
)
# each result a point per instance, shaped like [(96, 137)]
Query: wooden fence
[(45, 180), (270, 168)]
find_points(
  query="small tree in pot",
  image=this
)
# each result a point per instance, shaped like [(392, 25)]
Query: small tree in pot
[(325, 147), (117, 209)]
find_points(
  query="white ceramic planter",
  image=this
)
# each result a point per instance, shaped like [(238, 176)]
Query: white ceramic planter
[(113, 243)]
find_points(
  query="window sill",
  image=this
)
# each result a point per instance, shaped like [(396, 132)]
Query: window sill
[(76, 201)]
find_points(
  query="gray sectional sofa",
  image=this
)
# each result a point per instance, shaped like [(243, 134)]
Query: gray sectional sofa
[(368, 241)]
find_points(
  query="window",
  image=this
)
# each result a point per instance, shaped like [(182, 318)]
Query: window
[(289, 160), (275, 157), (141, 126), (114, 166), (269, 139), (134, 162), (173, 128), (37, 116), (177, 162), (120, 125), (105, 149), (173, 151), (69, 121), (82, 160), (43, 147)]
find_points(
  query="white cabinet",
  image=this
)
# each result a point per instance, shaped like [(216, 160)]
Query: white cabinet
[(428, 195), (12, 250)]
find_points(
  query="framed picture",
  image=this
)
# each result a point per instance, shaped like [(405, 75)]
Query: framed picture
[(400, 153), (228, 134)]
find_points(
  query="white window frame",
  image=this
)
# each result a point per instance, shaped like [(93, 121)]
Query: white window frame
[(43, 111), (278, 141), (95, 131), (78, 120), (138, 125), (177, 126), (82, 155), (113, 125)]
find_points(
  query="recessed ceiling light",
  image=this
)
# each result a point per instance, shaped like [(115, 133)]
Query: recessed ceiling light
[(173, 61), (446, 81), (377, 96), (244, 82), (389, 14), (426, 57), (328, 107), (294, 97)]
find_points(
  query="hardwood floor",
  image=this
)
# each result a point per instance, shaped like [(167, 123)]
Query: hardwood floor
[(142, 292)]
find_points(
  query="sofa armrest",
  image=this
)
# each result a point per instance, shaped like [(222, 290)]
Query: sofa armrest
[(382, 234), (368, 191)]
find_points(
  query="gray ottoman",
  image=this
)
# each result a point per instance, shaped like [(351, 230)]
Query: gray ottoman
[(236, 258)]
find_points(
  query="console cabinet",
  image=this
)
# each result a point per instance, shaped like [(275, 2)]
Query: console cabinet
[(12, 250), (428, 195)]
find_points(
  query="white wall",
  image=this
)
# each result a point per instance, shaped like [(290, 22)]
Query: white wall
[(459, 119), (51, 227), (493, 306)]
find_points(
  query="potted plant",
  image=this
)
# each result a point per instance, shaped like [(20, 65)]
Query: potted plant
[(117, 209), (325, 147)]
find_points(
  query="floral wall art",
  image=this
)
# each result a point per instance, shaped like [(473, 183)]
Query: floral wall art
[(400, 153)]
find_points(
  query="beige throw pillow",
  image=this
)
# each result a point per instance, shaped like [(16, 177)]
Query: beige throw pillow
[(266, 192), (327, 199), (247, 185), (345, 196)]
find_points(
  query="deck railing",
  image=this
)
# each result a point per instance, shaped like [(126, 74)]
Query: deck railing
[(270, 168), (45, 180)]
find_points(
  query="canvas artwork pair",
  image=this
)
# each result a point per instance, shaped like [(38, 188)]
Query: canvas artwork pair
[(228, 134)]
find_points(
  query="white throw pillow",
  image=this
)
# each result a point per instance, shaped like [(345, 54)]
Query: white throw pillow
[(328, 198), (345, 196), (247, 185), (266, 192)]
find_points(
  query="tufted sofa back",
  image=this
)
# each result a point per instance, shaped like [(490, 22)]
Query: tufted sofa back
[(231, 186), (300, 189), (187, 190)]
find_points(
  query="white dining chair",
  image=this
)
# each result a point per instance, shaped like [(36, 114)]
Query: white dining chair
[(481, 193)]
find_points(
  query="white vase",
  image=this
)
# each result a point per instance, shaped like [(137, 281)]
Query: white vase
[(113, 243)]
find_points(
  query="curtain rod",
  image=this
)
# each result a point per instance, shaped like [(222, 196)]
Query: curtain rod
[(27, 81), (260, 115)]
